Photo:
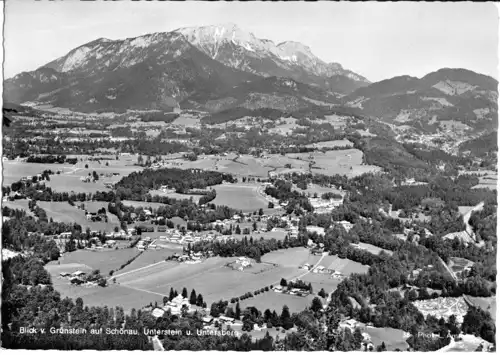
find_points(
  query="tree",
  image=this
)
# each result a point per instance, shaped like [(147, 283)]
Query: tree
[(86, 166), (171, 296), (184, 292), (261, 212), (165, 300), (140, 160), (237, 312), (381, 347), (199, 300), (270, 205), (316, 304), (238, 229), (322, 293), (192, 298), (283, 282)]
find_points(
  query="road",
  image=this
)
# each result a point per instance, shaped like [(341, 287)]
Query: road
[(308, 271)]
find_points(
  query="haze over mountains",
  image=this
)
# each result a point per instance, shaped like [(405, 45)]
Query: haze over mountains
[(216, 68)]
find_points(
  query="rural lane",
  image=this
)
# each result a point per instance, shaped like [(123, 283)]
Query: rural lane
[(308, 271)]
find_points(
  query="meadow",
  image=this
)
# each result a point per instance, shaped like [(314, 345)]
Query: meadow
[(373, 249), (240, 197), (64, 212), (275, 301), (104, 260), (13, 171), (211, 277)]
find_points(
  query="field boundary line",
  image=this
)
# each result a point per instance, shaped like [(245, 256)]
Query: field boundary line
[(141, 268), (140, 289)]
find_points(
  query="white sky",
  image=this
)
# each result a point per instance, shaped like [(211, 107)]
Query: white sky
[(377, 40)]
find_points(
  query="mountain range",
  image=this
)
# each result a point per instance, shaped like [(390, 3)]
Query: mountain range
[(215, 68)]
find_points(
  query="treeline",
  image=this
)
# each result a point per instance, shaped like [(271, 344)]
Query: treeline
[(138, 184), (51, 159), (247, 247), (236, 113), (167, 117)]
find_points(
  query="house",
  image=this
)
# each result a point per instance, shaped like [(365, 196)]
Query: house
[(78, 273), (207, 320), (64, 274), (278, 288), (226, 320), (349, 323), (157, 312)]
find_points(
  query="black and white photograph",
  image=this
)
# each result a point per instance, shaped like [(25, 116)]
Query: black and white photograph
[(249, 176)]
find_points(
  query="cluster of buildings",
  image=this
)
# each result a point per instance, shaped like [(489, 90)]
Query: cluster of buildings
[(321, 205), (210, 322), (292, 291), (241, 263), (176, 237), (76, 278)]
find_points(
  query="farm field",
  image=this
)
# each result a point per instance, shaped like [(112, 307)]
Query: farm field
[(331, 144), (336, 162), (319, 281), (393, 338), (13, 171), (486, 303), (18, 205), (275, 301), (373, 249), (240, 197), (104, 260), (345, 266), (278, 235), (64, 212), (316, 189), (245, 167), (212, 278), (292, 257), (149, 257), (71, 182), (489, 180)]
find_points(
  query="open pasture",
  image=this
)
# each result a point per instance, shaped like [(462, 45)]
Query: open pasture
[(18, 205), (211, 278), (249, 168), (331, 144), (13, 171), (240, 197), (187, 120), (149, 257), (104, 260), (317, 189), (344, 162), (373, 249), (72, 183), (292, 257), (64, 212), (345, 266), (321, 281), (275, 301)]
